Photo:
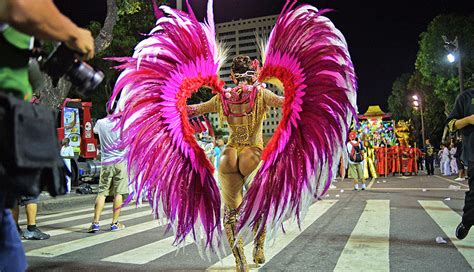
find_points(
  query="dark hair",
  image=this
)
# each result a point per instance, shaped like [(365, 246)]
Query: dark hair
[(241, 64)]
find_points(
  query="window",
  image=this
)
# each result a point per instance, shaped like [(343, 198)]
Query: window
[(228, 40), (247, 44), (227, 33), (247, 37), (248, 51), (252, 30)]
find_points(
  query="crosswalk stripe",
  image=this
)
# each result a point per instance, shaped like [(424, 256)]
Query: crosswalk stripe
[(71, 246), (452, 181), (448, 220), (368, 245), (83, 227), (292, 232), (46, 216), (144, 254), (78, 217)]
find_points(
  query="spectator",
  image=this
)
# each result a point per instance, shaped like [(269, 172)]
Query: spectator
[(355, 150), (459, 162), (452, 160), (31, 208), (113, 180), (445, 161), (219, 146), (67, 152), (429, 157)]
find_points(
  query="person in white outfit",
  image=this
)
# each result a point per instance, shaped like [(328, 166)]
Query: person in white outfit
[(452, 160), (67, 153), (445, 161)]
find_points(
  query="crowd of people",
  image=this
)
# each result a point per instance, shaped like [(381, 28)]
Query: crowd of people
[(384, 160)]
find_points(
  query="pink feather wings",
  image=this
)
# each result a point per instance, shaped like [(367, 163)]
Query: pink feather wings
[(164, 160), (308, 57)]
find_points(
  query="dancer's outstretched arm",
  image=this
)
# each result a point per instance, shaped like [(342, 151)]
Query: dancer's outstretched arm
[(273, 100), (207, 107)]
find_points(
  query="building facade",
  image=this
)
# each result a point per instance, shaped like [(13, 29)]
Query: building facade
[(241, 39)]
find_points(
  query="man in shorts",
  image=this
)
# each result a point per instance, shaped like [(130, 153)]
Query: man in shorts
[(113, 176), (355, 151)]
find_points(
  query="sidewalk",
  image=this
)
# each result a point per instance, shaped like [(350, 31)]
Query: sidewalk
[(48, 204)]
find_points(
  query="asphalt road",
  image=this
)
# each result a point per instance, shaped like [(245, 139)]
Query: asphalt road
[(392, 226)]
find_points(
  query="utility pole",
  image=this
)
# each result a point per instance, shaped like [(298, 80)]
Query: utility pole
[(417, 102)]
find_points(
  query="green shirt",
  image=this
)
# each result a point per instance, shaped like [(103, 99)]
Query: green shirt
[(14, 62)]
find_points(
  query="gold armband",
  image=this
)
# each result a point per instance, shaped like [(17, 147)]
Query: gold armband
[(451, 125)]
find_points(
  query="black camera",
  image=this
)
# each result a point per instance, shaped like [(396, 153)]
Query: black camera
[(63, 61)]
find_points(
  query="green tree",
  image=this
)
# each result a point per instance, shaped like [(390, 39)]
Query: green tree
[(433, 109), (398, 101), (135, 18), (431, 59)]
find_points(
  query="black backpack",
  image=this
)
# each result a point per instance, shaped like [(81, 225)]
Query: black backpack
[(84, 189), (356, 153)]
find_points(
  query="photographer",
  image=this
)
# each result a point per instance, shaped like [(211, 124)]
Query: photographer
[(462, 119), (18, 20)]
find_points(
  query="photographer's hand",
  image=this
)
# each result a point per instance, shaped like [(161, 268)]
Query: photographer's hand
[(83, 43), (42, 19)]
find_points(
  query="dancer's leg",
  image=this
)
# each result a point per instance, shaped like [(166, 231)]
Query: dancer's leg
[(249, 158), (232, 186), (230, 178)]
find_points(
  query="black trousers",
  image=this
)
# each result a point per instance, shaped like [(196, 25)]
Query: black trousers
[(429, 165), (468, 215)]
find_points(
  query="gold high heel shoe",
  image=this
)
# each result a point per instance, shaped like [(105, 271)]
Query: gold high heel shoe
[(230, 218), (258, 243)]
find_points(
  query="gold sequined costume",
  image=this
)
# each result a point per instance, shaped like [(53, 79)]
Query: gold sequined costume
[(369, 163), (245, 131)]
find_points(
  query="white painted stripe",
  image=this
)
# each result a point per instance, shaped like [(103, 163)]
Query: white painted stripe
[(84, 227), (97, 239), (46, 216), (452, 181), (448, 220), (368, 246), (371, 183), (144, 254), (78, 217), (416, 189), (292, 232)]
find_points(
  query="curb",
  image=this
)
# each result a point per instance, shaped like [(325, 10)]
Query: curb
[(48, 204)]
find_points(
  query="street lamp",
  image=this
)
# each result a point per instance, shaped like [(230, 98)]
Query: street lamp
[(451, 58), (418, 104), (453, 55)]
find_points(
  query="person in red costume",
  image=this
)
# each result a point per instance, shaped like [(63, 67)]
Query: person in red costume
[(395, 152), (412, 167), (404, 160), (381, 153)]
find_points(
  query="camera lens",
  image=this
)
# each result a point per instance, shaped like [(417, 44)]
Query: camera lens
[(84, 76)]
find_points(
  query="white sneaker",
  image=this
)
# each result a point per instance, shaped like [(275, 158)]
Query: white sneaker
[(458, 179), (356, 187), (363, 186)]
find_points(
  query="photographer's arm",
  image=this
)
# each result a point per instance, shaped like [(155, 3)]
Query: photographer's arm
[(461, 123), (42, 19)]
